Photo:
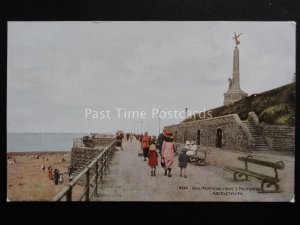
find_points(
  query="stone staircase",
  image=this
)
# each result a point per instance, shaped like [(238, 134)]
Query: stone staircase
[(260, 144), (282, 137)]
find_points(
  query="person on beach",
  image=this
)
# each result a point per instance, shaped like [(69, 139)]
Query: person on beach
[(43, 167), (56, 176), (183, 161), (152, 156), (127, 137), (167, 152), (70, 170), (61, 178), (145, 145), (50, 173)]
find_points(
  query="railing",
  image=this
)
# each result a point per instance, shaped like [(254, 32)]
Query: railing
[(99, 165)]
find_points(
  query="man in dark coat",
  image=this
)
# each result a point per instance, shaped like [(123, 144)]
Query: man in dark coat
[(160, 140)]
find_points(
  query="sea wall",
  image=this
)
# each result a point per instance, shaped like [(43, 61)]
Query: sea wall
[(225, 132), (81, 156)]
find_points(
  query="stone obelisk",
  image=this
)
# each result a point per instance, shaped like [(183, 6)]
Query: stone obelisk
[(234, 92)]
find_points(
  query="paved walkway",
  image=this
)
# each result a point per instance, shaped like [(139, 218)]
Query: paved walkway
[(128, 179)]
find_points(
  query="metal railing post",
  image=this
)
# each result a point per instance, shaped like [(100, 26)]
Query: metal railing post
[(96, 178), (87, 185), (104, 162), (69, 195), (101, 176)]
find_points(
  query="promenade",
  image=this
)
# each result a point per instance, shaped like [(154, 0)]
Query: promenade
[(128, 179)]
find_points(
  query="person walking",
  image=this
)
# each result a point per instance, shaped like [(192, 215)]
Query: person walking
[(183, 161), (145, 145), (127, 137), (160, 140), (167, 151), (131, 137), (119, 141), (152, 155)]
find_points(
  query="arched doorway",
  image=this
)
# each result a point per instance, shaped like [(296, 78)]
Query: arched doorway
[(198, 137), (219, 138)]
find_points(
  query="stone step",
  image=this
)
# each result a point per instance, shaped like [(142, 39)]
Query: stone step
[(261, 142), (261, 147), (281, 133), (284, 149), (289, 147), (284, 146)]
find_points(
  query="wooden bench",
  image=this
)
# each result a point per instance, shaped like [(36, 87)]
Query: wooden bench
[(266, 180)]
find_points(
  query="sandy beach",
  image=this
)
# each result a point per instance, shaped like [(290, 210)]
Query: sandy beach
[(26, 181)]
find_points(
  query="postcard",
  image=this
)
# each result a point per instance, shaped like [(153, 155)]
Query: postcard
[(151, 111)]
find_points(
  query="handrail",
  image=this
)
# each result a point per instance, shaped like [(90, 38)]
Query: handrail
[(98, 164)]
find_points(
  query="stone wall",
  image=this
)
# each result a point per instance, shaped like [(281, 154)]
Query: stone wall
[(234, 135), (82, 156), (279, 138)]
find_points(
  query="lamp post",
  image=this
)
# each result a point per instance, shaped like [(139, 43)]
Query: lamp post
[(185, 133)]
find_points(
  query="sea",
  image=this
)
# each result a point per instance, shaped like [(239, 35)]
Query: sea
[(38, 142)]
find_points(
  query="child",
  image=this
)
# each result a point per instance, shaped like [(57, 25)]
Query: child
[(152, 156), (183, 161)]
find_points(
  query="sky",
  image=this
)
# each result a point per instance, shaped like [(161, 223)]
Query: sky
[(61, 75)]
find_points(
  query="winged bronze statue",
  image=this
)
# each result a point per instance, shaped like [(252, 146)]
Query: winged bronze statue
[(237, 42)]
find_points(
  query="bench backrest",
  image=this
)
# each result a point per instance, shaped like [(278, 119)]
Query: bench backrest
[(249, 159)]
